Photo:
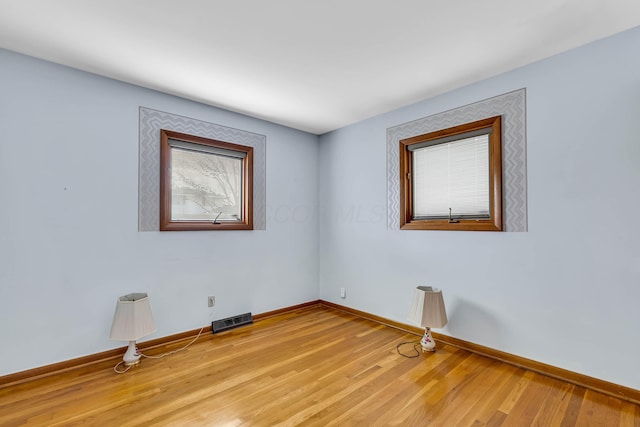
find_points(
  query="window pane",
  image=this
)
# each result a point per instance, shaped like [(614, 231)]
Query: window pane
[(452, 175), (205, 186)]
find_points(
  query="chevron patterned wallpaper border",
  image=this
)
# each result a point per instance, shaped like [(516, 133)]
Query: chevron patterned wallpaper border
[(151, 121), (512, 107)]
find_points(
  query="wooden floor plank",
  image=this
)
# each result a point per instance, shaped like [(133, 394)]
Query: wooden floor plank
[(552, 410), (312, 367), (531, 400), (599, 410), (628, 412), (574, 407)]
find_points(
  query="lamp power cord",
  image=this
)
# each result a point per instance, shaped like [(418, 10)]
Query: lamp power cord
[(115, 368), (416, 345)]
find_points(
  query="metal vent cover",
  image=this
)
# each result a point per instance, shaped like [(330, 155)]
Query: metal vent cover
[(231, 322)]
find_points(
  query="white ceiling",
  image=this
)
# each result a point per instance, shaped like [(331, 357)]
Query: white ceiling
[(311, 65)]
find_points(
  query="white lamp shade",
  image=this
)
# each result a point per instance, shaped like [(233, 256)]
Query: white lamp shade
[(132, 319), (427, 308)]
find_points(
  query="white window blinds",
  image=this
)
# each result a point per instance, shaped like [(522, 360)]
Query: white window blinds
[(452, 175)]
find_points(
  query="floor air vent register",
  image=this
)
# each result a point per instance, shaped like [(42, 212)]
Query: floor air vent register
[(231, 322)]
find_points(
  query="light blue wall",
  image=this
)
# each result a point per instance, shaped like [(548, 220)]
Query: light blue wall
[(565, 293), (69, 243)]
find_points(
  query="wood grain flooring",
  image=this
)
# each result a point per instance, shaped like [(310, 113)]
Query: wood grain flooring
[(313, 367)]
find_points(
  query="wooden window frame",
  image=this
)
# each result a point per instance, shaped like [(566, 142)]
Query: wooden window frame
[(494, 222), (166, 223)]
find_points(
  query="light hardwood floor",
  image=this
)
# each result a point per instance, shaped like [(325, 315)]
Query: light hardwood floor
[(314, 367)]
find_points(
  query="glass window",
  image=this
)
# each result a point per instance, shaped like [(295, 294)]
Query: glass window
[(452, 178), (205, 184)]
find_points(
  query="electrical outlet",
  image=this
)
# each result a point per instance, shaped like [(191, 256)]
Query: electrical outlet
[(211, 301), (343, 292)]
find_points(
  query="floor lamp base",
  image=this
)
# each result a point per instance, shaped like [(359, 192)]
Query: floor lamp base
[(132, 356), (427, 342)]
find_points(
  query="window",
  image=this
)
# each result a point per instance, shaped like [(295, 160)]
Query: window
[(204, 184), (451, 179)]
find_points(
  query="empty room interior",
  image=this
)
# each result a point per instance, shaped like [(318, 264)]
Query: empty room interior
[(254, 213)]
